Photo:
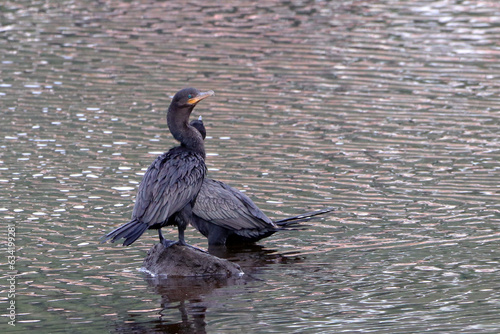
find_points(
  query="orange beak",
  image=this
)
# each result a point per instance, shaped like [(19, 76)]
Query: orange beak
[(200, 96)]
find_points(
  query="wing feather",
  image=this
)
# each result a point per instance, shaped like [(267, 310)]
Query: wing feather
[(172, 181), (223, 205)]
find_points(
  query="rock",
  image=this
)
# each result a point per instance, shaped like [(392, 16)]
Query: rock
[(182, 261)]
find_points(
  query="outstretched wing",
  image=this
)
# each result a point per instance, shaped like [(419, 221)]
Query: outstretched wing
[(227, 207), (172, 181)]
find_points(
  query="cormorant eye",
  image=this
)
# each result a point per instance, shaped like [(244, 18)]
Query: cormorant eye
[(190, 96)]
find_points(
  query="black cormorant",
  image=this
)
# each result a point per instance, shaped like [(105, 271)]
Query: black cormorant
[(225, 215), (172, 182)]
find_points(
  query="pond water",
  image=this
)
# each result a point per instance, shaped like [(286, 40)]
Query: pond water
[(386, 110)]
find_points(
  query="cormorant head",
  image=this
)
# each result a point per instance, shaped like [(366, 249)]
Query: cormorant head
[(198, 125), (178, 114), (189, 97)]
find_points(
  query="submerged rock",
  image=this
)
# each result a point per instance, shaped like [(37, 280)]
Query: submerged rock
[(182, 261)]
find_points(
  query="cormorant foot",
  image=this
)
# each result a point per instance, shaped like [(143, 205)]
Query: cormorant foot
[(196, 248), (182, 242), (167, 243)]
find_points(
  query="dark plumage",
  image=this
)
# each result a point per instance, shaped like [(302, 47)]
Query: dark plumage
[(172, 182), (225, 215)]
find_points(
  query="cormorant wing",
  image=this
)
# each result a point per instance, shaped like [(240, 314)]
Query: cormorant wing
[(172, 181), (220, 204)]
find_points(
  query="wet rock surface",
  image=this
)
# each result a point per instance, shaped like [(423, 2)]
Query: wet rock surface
[(182, 261)]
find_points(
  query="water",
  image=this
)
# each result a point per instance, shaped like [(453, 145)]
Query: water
[(386, 110)]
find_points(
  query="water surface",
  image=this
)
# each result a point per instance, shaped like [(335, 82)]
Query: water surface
[(386, 110)]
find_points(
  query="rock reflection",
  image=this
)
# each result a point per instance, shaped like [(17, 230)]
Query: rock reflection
[(192, 297), (185, 301)]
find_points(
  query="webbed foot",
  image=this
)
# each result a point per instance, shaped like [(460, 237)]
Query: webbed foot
[(167, 243)]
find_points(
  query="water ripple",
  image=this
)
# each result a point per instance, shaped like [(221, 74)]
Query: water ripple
[(386, 111)]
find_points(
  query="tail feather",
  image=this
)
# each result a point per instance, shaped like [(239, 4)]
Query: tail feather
[(131, 231), (300, 218)]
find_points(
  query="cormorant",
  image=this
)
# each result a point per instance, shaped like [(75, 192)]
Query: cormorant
[(172, 182), (225, 215)]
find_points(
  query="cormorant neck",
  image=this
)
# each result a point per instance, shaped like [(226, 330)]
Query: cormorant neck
[(177, 120)]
